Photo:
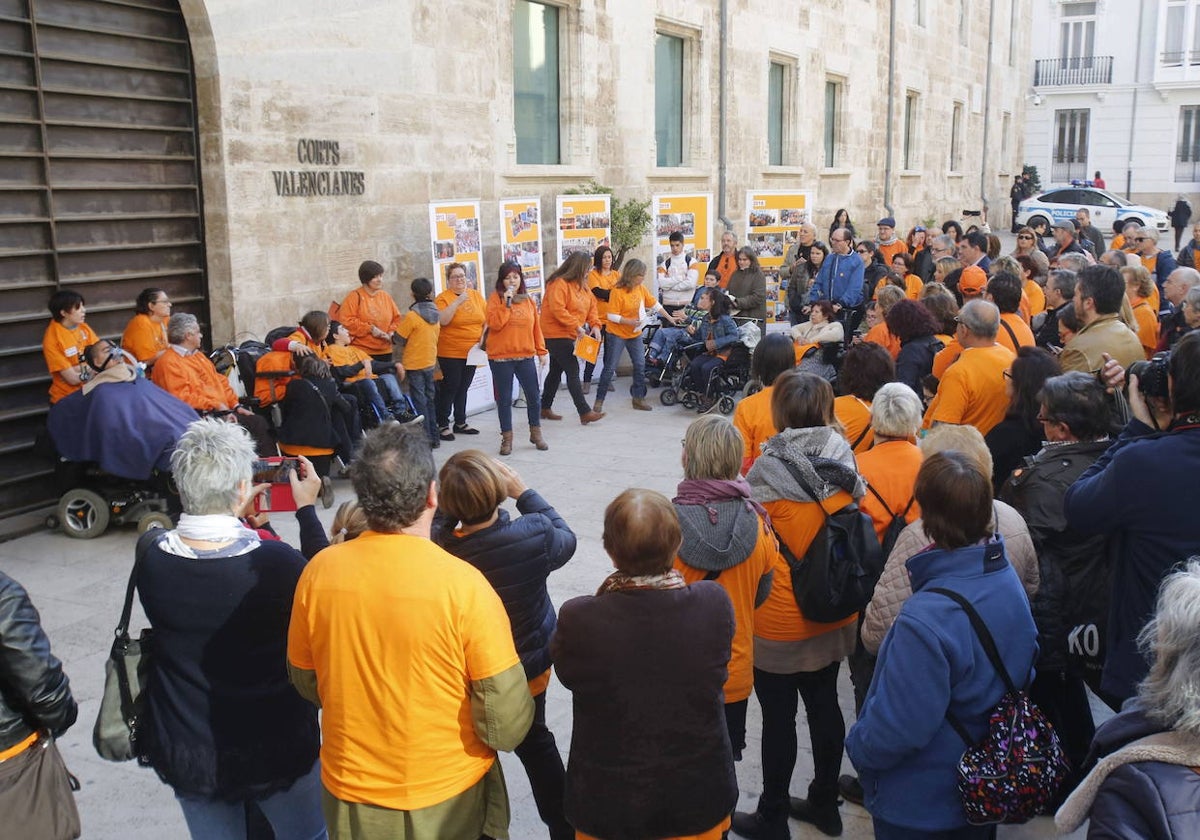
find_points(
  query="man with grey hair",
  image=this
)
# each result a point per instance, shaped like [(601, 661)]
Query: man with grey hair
[(972, 391), (185, 372), (409, 653), (1181, 281), (1158, 262), (1060, 290), (1075, 261), (1118, 259)]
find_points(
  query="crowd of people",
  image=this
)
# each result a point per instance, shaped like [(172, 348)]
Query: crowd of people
[(1009, 425)]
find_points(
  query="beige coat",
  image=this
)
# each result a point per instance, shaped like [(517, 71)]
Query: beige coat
[(894, 585), (1104, 335)]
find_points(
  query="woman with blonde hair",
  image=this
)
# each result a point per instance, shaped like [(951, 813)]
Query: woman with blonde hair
[(725, 538), (516, 556), (805, 472), (1139, 288), (348, 522), (629, 304), (568, 314)]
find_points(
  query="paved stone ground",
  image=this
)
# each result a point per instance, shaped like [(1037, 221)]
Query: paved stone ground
[(78, 587)]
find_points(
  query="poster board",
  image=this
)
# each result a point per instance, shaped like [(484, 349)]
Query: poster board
[(456, 236), (584, 224), (773, 220), (521, 239), (691, 215)]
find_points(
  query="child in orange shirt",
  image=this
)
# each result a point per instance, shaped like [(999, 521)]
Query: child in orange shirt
[(417, 338), (355, 371)]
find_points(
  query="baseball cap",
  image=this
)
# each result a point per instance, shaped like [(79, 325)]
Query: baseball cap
[(887, 221), (1064, 224), (972, 281)]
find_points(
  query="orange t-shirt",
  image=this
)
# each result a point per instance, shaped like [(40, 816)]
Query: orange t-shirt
[(629, 303), (752, 418), (466, 327), (144, 338), (362, 310), (1019, 328), (881, 335), (726, 265), (797, 523), (890, 468), (396, 630), (741, 584), (945, 357), (514, 332), (341, 355), (421, 341), (193, 379), (603, 280), (63, 348), (1036, 297), (855, 416), (1147, 322), (887, 252), (566, 307), (972, 391)]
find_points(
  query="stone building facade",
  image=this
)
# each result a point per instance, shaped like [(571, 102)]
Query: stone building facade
[(394, 104)]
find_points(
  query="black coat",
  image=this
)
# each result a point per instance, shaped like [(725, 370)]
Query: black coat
[(915, 361), (923, 265), (1009, 441), (1047, 334), (34, 692), (516, 556), (1071, 604), (650, 754), (315, 414)]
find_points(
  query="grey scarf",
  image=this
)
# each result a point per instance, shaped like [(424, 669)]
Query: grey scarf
[(820, 454)]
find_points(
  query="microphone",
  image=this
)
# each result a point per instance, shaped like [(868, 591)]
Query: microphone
[(508, 301)]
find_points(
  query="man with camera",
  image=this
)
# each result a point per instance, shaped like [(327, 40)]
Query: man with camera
[(1140, 492)]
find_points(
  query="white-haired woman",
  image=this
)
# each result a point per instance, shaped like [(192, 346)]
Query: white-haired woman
[(1143, 780), (222, 724)]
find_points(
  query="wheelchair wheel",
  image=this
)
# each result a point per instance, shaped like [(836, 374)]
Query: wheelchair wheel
[(83, 513), (725, 404), (752, 387), (688, 399), (154, 519), (668, 397)]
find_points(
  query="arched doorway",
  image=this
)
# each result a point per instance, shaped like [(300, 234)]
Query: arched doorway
[(99, 189)]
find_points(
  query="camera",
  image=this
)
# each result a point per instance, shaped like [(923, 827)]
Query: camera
[(1152, 375)]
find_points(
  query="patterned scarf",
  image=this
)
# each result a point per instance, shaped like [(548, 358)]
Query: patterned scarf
[(820, 454), (621, 582)]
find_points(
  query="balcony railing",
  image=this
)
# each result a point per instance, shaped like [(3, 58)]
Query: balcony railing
[(1187, 171), (1081, 70)]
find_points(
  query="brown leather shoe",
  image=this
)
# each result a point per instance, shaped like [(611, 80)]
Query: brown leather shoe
[(641, 405), (548, 414), (590, 417)]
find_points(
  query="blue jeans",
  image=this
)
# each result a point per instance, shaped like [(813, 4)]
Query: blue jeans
[(613, 345), (420, 391), (503, 371), (294, 813), (368, 394)]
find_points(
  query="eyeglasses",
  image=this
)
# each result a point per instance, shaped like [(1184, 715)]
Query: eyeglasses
[(1143, 239), (1007, 375), (862, 250), (1024, 236)]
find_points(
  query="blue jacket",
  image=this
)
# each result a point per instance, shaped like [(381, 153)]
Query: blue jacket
[(1142, 492), (931, 662), (516, 556), (1164, 264), (1150, 800), (724, 332), (840, 280)]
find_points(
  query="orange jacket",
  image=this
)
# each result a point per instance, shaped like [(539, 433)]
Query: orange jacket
[(193, 379), (514, 332), (566, 307)]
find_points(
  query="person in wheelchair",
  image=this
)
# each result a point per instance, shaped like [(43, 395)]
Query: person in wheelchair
[(368, 380), (715, 338), (822, 327), (666, 339)]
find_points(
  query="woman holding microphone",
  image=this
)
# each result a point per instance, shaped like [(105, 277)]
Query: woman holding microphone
[(514, 338)]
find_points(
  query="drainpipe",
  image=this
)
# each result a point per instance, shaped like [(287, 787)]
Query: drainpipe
[(1137, 88), (891, 110), (987, 110), (722, 113)]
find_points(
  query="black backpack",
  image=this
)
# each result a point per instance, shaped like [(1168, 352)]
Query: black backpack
[(897, 524), (838, 573)]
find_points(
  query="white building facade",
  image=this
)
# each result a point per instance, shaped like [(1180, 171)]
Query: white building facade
[(1116, 89)]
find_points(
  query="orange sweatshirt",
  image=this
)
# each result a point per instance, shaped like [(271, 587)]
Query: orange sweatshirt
[(566, 307), (514, 332)]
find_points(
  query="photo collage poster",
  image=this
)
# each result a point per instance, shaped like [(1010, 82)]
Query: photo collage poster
[(521, 239), (690, 215), (773, 220), (584, 224), (455, 236)]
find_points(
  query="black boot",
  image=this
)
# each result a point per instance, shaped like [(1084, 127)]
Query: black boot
[(757, 827), (826, 817)]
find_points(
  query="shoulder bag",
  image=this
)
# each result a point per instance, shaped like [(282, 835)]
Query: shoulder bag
[(1015, 772), (125, 675)]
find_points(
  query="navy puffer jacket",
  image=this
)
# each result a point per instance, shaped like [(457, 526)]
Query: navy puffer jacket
[(516, 556)]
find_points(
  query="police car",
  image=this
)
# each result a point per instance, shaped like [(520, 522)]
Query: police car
[(1104, 207)]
